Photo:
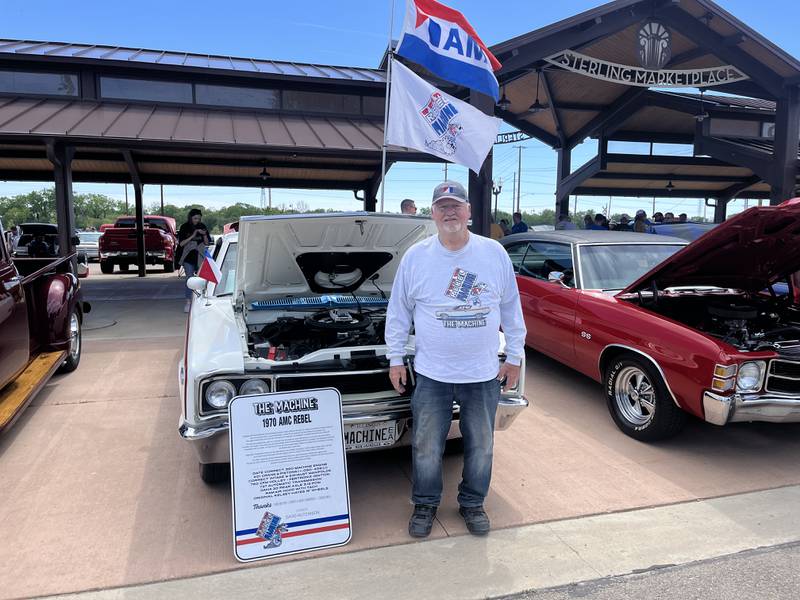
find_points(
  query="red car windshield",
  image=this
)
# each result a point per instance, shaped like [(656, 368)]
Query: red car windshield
[(616, 266)]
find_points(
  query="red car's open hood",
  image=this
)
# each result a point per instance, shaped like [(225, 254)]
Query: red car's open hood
[(749, 251)]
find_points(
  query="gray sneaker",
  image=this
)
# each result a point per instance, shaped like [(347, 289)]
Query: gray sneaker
[(421, 520), (476, 519)]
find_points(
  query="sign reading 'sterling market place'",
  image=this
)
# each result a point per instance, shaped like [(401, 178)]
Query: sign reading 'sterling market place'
[(628, 75)]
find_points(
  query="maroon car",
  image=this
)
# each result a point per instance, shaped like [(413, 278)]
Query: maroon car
[(672, 329), (41, 312)]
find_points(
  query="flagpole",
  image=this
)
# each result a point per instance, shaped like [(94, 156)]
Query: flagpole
[(386, 104)]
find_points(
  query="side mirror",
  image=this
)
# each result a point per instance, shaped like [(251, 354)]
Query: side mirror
[(556, 276), (197, 284)]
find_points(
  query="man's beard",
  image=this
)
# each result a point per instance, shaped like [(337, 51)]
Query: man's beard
[(452, 227)]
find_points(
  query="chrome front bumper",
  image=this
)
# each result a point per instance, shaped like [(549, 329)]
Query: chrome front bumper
[(210, 439), (769, 407)]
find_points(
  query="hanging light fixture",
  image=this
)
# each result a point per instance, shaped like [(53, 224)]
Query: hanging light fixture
[(670, 186), (537, 106), (504, 103), (702, 115), (264, 175)]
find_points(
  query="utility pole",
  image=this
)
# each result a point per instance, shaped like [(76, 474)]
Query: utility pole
[(269, 195), (262, 199), (162, 199), (519, 175), (513, 191), (608, 216), (445, 171), (126, 199), (575, 210)]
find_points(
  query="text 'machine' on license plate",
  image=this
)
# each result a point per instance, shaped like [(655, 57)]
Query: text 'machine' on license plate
[(359, 436)]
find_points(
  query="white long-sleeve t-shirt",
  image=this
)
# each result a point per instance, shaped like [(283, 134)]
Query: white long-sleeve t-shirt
[(456, 301)]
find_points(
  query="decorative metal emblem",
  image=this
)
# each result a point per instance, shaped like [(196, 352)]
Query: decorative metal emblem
[(655, 45)]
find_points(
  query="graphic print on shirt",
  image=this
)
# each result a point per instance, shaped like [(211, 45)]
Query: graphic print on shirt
[(463, 287)]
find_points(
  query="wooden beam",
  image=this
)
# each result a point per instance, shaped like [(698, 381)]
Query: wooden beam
[(661, 159), (787, 139), (619, 111), (731, 192), (735, 154), (527, 127), (671, 176), (553, 110), (568, 185), (702, 35), (655, 137), (658, 193)]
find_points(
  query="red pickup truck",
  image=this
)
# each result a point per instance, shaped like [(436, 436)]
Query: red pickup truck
[(118, 243), (41, 312)]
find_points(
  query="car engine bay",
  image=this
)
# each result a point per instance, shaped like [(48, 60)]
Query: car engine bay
[(749, 322), (304, 325)]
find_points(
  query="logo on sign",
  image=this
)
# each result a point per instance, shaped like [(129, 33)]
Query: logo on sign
[(655, 45)]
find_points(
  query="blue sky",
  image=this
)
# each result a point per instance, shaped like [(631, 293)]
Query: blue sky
[(348, 32)]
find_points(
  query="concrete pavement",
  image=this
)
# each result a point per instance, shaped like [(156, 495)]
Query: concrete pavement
[(525, 558), (99, 490)]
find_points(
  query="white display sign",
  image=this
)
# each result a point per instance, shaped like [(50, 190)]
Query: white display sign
[(288, 473), (628, 75)]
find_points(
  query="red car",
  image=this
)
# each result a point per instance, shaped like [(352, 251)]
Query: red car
[(41, 313), (672, 329), (117, 245)]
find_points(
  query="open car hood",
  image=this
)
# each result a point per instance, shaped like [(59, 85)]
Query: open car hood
[(319, 254), (749, 251)]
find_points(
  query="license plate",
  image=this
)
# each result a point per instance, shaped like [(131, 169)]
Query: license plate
[(360, 436)]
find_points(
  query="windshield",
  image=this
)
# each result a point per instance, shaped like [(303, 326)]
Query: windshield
[(228, 269), (89, 236), (616, 266)]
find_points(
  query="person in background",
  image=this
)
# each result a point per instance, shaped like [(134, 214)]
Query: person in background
[(519, 225), (193, 238), (504, 226), (588, 222), (658, 218), (669, 217), (565, 222), (408, 207), (624, 223), (600, 223), (13, 238), (683, 218), (39, 248), (640, 223), (495, 231)]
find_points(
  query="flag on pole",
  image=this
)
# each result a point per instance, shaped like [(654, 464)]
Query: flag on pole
[(209, 269), (442, 40), (426, 119)]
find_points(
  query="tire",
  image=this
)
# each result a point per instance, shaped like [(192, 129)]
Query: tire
[(630, 380), (215, 473), (169, 267), (107, 268), (76, 344)]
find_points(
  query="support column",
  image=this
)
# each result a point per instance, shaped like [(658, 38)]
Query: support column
[(480, 185), (720, 210), (138, 190), (564, 170), (787, 138), (61, 157), (371, 191)]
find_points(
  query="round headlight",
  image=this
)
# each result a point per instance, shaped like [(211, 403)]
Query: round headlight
[(254, 386), (219, 393), (749, 377)]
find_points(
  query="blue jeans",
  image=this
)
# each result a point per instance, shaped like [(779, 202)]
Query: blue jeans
[(191, 270), (432, 408)]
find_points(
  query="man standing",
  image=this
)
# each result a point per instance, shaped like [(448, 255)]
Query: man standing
[(407, 207), (519, 225), (565, 222), (457, 289)]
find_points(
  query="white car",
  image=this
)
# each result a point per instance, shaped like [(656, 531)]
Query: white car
[(302, 304)]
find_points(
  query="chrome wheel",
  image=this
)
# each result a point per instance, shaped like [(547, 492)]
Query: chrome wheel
[(635, 396), (74, 336)]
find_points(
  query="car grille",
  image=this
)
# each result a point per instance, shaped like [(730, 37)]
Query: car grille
[(346, 383), (783, 377)]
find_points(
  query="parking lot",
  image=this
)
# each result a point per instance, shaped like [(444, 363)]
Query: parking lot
[(99, 490)]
